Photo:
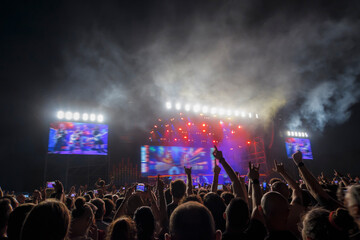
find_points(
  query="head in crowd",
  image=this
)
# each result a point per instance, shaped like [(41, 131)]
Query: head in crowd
[(274, 180), (237, 215), (47, 220), (202, 195), (192, 221), (108, 196), (87, 197), (69, 202), (193, 197), (227, 197), (100, 205), (276, 211), (217, 208), (115, 197), (177, 189), (5, 210), (14, 203), (122, 228), (16, 220), (82, 217), (91, 194), (145, 223), (352, 202), (134, 202), (319, 224), (101, 183), (282, 188), (119, 202), (109, 207)]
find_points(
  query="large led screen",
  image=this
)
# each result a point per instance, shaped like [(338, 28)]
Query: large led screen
[(170, 160), (295, 144), (78, 138)]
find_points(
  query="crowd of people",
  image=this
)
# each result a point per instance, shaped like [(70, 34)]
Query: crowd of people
[(309, 209)]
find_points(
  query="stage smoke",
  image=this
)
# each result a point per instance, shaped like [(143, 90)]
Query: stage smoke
[(301, 57)]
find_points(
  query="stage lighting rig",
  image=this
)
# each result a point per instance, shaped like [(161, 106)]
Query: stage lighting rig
[(297, 134), (214, 111), (76, 116)]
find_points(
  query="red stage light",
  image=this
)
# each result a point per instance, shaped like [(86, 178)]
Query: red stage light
[(204, 124), (221, 122), (232, 131), (214, 141), (180, 129), (204, 130), (239, 126), (175, 139), (167, 131), (248, 142), (189, 123), (185, 137)]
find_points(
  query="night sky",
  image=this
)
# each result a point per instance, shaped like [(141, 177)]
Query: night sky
[(296, 63)]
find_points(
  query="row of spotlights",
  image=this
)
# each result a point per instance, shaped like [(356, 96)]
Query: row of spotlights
[(297, 134), (76, 116), (214, 111)]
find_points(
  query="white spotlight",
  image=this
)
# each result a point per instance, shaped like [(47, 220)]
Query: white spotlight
[(100, 118), (288, 133), (229, 112), (306, 135), (292, 133), (196, 108), (68, 115), (250, 116), (60, 114), (221, 112), (303, 134), (237, 113), (85, 116), (213, 110), (205, 109), (76, 116), (92, 117), (296, 134), (256, 115), (243, 114), (187, 107), (178, 106), (168, 105)]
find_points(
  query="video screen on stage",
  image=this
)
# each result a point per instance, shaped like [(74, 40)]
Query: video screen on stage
[(295, 144), (78, 138), (170, 160)]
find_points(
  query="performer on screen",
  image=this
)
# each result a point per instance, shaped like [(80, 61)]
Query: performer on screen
[(60, 137), (98, 144), (76, 139)]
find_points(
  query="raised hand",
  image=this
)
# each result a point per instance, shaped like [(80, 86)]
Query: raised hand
[(217, 169), (129, 191), (58, 186), (160, 183), (218, 154), (278, 167), (254, 171), (337, 174), (187, 170), (297, 157)]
